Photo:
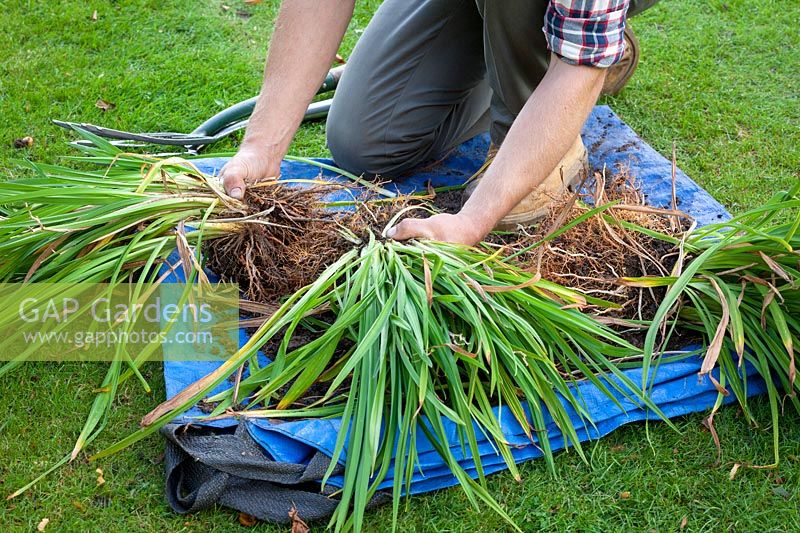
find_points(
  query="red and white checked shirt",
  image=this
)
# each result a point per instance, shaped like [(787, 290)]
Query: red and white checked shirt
[(586, 32)]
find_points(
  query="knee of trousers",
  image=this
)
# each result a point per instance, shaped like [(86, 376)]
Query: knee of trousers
[(361, 145)]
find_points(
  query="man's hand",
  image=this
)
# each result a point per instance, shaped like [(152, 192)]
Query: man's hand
[(248, 166), (447, 228), (291, 79)]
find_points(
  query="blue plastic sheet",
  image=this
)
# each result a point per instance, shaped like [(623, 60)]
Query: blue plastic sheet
[(676, 387)]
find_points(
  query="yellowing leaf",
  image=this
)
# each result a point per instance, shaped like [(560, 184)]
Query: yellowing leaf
[(103, 105)]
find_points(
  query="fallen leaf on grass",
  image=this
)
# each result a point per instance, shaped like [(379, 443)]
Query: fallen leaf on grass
[(100, 479), (298, 526), (103, 105), (247, 520), (225, 7), (24, 142), (733, 471), (94, 16), (43, 524), (684, 521), (708, 423), (625, 495)]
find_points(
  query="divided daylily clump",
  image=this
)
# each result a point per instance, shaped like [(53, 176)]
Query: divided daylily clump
[(404, 337)]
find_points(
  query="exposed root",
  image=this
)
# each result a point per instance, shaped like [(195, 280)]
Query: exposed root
[(592, 256), (285, 244), (289, 238)]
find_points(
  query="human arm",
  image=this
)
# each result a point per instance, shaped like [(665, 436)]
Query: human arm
[(585, 38), (306, 37), (544, 130)]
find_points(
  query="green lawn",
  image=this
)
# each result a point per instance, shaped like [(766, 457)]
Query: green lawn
[(719, 78)]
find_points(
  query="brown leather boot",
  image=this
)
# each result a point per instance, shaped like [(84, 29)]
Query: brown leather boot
[(618, 75), (569, 172)]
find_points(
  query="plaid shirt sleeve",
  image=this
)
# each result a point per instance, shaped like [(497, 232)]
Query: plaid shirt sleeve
[(586, 32)]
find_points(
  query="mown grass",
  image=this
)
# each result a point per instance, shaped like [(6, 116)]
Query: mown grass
[(719, 78)]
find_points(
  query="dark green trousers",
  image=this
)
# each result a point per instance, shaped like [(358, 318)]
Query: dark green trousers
[(428, 74)]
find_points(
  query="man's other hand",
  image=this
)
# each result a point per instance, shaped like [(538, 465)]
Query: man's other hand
[(248, 166), (447, 228)]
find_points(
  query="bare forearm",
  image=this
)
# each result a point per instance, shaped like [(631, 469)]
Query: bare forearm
[(306, 37), (540, 136)]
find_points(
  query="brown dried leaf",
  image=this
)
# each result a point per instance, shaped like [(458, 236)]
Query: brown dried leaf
[(612, 321), (188, 258), (767, 300), (684, 522), (23, 142), (714, 349), (298, 526), (756, 280), (717, 385), (733, 471), (625, 495), (475, 285), (459, 350), (258, 307), (428, 281), (100, 479), (103, 105), (184, 395), (247, 520), (709, 424), (776, 268), (42, 524), (48, 250)]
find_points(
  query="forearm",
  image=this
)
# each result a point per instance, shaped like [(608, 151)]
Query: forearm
[(306, 37), (540, 136)]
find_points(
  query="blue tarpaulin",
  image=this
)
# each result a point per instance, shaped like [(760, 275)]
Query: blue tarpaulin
[(676, 387)]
